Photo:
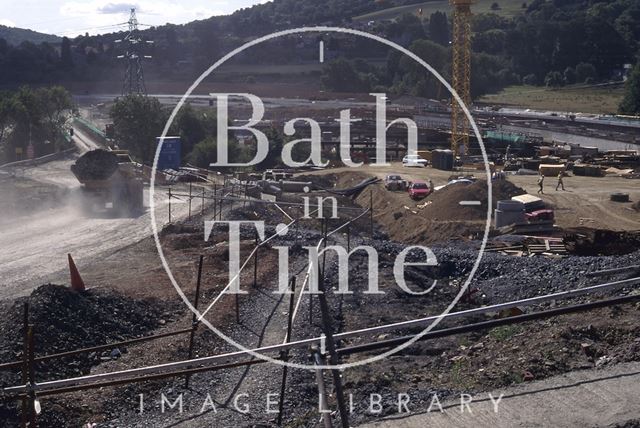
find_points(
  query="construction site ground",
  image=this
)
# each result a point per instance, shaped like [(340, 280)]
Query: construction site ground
[(585, 202), (593, 398), (473, 363)]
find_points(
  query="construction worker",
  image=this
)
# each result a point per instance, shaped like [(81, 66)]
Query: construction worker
[(430, 186), (541, 184), (560, 182)]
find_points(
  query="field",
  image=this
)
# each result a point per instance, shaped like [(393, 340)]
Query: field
[(602, 99), (508, 8)]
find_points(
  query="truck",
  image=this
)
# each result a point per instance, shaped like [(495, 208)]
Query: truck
[(110, 181)]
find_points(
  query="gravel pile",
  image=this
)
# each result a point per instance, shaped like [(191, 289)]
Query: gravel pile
[(504, 278), (66, 320)]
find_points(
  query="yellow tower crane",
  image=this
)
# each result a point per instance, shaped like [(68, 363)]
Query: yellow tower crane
[(461, 75)]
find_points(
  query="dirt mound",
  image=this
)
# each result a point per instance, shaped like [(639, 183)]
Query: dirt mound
[(65, 320), (321, 181), (443, 219), (445, 203)]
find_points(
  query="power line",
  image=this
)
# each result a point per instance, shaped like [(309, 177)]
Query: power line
[(134, 46)]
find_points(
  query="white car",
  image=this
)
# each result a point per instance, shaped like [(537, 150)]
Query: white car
[(414, 160)]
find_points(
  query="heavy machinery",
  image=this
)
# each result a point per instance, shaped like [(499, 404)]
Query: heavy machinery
[(111, 181)]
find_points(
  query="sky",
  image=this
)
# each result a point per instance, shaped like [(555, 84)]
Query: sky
[(73, 17)]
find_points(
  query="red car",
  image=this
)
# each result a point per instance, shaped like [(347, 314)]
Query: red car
[(418, 190)]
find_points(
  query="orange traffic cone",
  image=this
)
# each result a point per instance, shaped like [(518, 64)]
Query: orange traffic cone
[(77, 284)]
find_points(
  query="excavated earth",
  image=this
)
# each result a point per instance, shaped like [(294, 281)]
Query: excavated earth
[(466, 363)]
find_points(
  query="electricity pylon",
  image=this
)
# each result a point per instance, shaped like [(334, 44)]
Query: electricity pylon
[(133, 82), (461, 74)]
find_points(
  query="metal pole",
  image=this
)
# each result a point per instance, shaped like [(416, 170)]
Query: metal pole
[(255, 263), (371, 212), (202, 204), (194, 322), (331, 347), (285, 353), (190, 196), (169, 204), (325, 226), (215, 200), (25, 364), (310, 308), (238, 306), (246, 184), (322, 390), (32, 381)]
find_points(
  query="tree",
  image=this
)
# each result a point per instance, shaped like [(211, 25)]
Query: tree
[(585, 71), (631, 102), (341, 76), (34, 116), (414, 78), (276, 142), (66, 59), (56, 104), (553, 79), (193, 127), (137, 121), (530, 79), (204, 153), (491, 41), (439, 28), (569, 76)]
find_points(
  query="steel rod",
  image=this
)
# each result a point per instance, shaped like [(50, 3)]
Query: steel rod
[(15, 364), (25, 363), (194, 319), (325, 413), (199, 362), (328, 332), (285, 353), (488, 324)]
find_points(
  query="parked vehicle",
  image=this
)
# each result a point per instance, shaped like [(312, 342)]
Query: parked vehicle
[(395, 182), (414, 161), (418, 190)]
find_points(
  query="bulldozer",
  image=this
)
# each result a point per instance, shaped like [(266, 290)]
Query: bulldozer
[(110, 181)]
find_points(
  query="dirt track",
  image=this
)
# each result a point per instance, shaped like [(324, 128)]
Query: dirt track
[(35, 243)]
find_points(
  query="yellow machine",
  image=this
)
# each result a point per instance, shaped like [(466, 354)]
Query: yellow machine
[(110, 181)]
